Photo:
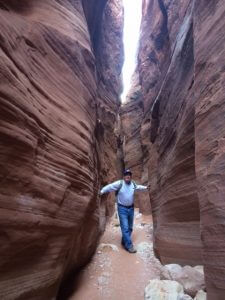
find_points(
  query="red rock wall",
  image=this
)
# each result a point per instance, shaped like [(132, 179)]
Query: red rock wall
[(131, 114), (181, 70), (172, 147), (51, 138), (209, 88), (109, 64)]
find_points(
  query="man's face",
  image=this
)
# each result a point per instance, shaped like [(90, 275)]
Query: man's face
[(127, 179)]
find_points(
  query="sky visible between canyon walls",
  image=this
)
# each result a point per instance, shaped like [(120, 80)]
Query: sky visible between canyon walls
[(132, 21)]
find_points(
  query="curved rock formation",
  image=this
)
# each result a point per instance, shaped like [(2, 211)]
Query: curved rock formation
[(131, 115), (209, 88), (53, 101), (109, 55), (60, 82), (181, 71)]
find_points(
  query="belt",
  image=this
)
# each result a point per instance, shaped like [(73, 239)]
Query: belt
[(130, 206)]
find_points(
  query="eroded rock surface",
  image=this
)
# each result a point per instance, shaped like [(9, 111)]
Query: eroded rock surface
[(131, 115), (165, 290), (209, 87), (166, 66), (52, 134), (181, 73), (192, 279), (201, 295)]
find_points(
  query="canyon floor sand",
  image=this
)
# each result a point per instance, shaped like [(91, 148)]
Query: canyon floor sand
[(115, 274)]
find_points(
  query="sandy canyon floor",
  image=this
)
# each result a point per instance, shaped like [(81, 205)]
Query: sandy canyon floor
[(115, 274)]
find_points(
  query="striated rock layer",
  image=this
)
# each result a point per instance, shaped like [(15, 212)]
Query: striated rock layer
[(131, 115), (109, 55), (209, 87), (53, 96), (181, 70)]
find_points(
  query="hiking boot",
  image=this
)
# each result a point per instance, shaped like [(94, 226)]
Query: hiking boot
[(132, 250)]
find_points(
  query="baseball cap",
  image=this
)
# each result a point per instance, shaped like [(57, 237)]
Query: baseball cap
[(127, 172)]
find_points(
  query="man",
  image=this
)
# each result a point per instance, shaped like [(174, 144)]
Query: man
[(125, 202)]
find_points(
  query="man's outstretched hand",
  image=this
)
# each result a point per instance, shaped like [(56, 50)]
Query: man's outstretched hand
[(148, 186)]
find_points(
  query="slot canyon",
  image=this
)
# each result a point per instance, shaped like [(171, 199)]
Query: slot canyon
[(64, 134)]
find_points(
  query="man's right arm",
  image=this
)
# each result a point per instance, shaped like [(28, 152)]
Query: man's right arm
[(112, 187)]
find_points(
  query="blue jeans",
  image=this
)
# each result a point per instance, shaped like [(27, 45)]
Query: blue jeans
[(126, 216)]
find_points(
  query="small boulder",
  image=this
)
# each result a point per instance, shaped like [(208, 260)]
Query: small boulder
[(185, 297), (138, 216), (144, 250), (201, 295), (191, 278), (199, 269), (169, 272), (165, 290), (107, 247)]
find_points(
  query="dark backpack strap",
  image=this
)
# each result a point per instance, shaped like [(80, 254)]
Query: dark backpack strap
[(119, 188), (135, 185)]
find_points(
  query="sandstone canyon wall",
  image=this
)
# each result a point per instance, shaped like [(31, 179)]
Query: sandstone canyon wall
[(167, 79), (209, 89), (131, 115), (181, 71), (57, 142)]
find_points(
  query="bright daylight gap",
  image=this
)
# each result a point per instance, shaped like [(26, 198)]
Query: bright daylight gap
[(132, 21)]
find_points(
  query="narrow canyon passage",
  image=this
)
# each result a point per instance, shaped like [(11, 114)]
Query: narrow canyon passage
[(64, 135), (114, 273)]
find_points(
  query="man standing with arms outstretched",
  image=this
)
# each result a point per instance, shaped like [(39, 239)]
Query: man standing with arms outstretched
[(125, 190)]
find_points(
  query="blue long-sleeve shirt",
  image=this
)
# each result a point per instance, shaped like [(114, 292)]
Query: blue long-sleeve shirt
[(126, 193)]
